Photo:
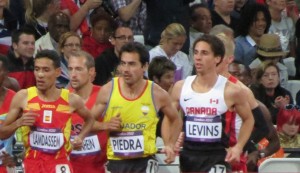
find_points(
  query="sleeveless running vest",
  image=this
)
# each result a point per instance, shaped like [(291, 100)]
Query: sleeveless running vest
[(6, 145), (50, 135), (139, 119), (92, 157), (207, 119)]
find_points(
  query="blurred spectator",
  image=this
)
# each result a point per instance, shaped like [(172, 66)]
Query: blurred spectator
[(69, 42), (78, 11), (222, 14), (200, 20), (58, 24), (254, 22), (97, 40), (8, 23), (107, 63), (162, 71), (282, 25), (132, 13), (20, 58), (267, 89), (172, 40), (17, 8), (242, 72), (288, 121), (269, 49), (162, 13), (38, 13)]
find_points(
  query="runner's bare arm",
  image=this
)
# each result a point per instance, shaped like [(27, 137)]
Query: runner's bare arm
[(172, 122), (14, 120), (99, 108), (79, 107), (237, 99)]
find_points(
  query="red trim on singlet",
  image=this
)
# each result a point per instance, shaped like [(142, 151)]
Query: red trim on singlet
[(6, 101), (147, 82), (232, 79)]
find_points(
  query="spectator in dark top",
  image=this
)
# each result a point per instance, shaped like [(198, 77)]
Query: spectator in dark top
[(162, 13), (268, 90), (17, 8), (8, 23), (106, 64), (20, 58), (222, 14), (97, 40), (38, 13)]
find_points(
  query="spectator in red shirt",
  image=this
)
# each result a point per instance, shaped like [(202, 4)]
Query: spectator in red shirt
[(97, 40)]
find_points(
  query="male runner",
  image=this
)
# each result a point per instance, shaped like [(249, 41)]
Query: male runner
[(207, 100), (135, 102), (44, 115), (92, 157)]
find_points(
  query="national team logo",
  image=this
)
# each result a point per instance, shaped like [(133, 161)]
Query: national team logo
[(145, 109), (214, 101), (47, 116)]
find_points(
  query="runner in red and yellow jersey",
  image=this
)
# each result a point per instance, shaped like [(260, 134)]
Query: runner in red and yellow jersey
[(92, 157), (6, 96), (44, 115)]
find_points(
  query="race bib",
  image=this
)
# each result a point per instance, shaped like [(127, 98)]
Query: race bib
[(218, 169), (127, 144), (46, 140), (203, 129), (62, 168), (90, 146)]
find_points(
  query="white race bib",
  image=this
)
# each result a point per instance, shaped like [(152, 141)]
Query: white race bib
[(203, 129), (46, 140), (62, 168), (90, 146), (127, 144)]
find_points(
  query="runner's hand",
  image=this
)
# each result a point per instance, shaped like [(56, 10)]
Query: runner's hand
[(7, 160), (115, 123), (27, 119), (170, 154), (233, 154), (77, 143)]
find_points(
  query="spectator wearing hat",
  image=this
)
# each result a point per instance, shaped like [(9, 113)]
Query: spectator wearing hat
[(269, 48)]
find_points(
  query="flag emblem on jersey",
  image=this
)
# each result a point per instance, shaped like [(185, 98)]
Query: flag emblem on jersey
[(214, 101), (47, 116), (145, 109)]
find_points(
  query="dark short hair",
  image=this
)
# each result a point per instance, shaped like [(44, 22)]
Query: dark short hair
[(90, 62), (159, 66), (136, 47), (193, 8), (15, 36), (49, 54), (215, 43), (4, 61), (101, 15)]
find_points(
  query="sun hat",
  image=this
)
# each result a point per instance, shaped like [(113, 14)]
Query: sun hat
[(270, 46)]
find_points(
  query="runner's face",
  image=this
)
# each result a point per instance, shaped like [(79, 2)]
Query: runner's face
[(166, 80), (131, 68), (45, 73), (79, 74), (204, 58)]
